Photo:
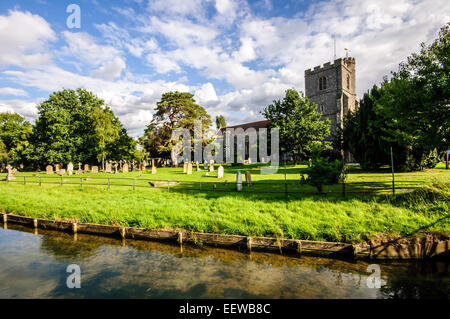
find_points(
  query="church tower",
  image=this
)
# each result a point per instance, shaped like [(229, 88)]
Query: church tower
[(333, 88)]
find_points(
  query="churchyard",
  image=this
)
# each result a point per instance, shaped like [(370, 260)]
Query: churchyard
[(201, 201)]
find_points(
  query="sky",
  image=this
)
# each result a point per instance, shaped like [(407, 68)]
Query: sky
[(236, 57)]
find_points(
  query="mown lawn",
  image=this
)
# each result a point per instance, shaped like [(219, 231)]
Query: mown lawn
[(298, 216)]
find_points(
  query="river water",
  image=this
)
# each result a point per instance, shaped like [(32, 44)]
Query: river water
[(33, 264)]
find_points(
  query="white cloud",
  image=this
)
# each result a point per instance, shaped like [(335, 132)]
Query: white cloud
[(24, 38), (12, 91), (110, 70)]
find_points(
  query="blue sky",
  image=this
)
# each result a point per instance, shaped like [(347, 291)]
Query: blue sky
[(235, 56)]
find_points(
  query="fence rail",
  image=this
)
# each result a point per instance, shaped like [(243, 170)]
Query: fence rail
[(261, 186)]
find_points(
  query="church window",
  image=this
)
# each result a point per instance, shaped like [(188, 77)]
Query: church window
[(322, 83), (348, 81)]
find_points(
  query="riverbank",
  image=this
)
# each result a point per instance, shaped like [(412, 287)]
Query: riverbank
[(351, 220)]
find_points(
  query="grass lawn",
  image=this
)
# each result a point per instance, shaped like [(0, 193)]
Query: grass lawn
[(298, 216)]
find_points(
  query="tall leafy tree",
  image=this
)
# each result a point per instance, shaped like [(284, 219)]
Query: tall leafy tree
[(363, 129), (220, 122), (15, 133), (299, 123), (76, 126), (174, 110)]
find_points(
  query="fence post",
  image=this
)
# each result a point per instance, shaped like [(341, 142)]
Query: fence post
[(285, 181), (109, 183), (392, 166), (60, 181), (134, 181), (168, 186), (40, 184), (81, 182), (24, 181)]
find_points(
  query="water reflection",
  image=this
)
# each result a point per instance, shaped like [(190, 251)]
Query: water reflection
[(34, 266)]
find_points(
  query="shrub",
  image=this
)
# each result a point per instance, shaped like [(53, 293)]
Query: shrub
[(322, 172)]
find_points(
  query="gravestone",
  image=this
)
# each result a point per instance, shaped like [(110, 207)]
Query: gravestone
[(95, 169), (57, 168), (143, 165), (62, 172), (79, 171), (198, 167), (116, 168), (248, 178), (189, 169), (108, 167), (49, 169), (86, 168), (70, 168), (239, 181), (211, 165), (249, 160), (185, 165), (262, 160), (220, 172), (120, 165), (10, 176), (205, 165), (125, 168), (154, 170)]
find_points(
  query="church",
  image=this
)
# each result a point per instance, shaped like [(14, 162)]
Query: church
[(332, 87)]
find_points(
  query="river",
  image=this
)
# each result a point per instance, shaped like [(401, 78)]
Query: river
[(33, 264)]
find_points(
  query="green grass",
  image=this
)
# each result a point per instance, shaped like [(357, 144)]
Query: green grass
[(298, 216)]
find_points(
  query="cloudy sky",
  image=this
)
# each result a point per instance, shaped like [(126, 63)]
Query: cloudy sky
[(235, 56)]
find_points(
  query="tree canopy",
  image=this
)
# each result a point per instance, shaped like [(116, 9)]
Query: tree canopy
[(299, 123), (14, 138), (174, 110), (77, 126), (409, 112)]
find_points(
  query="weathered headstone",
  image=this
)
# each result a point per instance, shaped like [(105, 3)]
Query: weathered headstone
[(70, 168), (220, 172), (185, 165), (211, 165), (79, 171), (249, 160), (189, 169), (10, 176), (108, 167), (86, 168), (125, 168), (62, 171), (49, 169), (198, 167), (262, 159), (205, 165), (57, 168), (248, 178), (154, 170), (143, 165), (239, 181), (116, 168), (95, 169)]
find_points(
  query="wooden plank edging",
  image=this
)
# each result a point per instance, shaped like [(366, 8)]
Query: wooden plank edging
[(364, 250)]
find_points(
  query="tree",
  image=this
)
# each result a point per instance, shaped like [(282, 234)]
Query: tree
[(363, 129), (107, 130), (299, 123), (15, 133), (175, 110), (220, 122), (74, 126)]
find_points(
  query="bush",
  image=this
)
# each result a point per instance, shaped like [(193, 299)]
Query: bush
[(432, 159), (322, 172), (331, 155)]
